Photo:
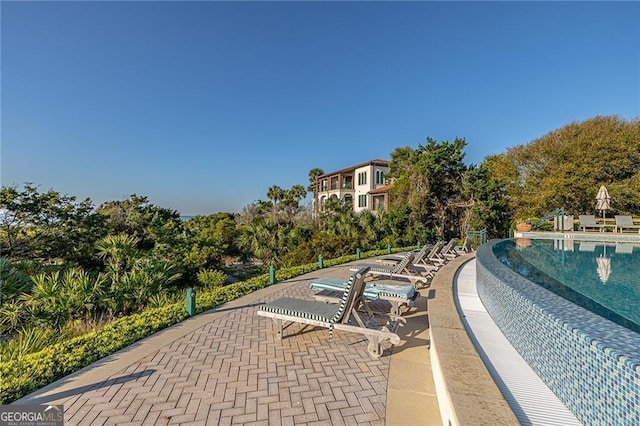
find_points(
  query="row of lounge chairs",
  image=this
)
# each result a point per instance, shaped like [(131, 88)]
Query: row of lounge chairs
[(344, 304), (588, 222)]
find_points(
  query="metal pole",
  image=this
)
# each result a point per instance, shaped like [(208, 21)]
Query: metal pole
[(272, 274), (191, 301)]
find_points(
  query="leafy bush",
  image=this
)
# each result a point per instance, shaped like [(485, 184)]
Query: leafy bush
[(210, 278), (26, 341)]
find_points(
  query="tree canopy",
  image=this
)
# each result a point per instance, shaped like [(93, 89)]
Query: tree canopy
[(430, 181), (565, 168)]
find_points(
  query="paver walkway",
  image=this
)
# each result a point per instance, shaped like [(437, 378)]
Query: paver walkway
[(227, 366)]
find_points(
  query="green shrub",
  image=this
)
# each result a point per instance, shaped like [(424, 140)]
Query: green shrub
[(210, 278), (26, 341)]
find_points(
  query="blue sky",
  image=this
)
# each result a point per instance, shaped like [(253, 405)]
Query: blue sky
[(202, 106)]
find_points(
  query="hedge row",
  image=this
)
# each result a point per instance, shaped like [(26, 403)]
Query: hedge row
[(31, 372)]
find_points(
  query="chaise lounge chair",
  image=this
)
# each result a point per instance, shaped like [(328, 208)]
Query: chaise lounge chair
[(445, 253), (393, 259), (329, 289), (625, 222), (403, 270), (420, 260), (449, 251), (589, 222), (343, 316)]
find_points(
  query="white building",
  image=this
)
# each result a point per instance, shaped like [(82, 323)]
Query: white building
[(363, 186)]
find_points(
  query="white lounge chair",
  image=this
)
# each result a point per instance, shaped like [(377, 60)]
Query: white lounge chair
[(625, 222), (589, 222), (344, 316)]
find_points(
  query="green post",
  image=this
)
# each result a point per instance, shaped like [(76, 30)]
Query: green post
[(320, 265), (389, 248), (191, 301), (418, 244), (272, 274), (358, 253)]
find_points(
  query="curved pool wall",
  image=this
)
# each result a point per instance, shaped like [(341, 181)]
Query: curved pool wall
[(589, 362)]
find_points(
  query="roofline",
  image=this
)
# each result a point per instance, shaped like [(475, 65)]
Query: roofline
[(376, 162), (381, 189)]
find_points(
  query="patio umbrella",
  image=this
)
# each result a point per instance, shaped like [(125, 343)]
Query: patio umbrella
[(603, 200)]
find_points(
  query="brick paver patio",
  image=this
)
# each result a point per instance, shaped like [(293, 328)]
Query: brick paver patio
[(233, 370)]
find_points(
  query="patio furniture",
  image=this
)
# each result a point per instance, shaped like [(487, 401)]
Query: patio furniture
[(625, 222), (589, 222), (421, 258), (330, 289), (449, 251), (343, 316), (404, 270), (445, 254)]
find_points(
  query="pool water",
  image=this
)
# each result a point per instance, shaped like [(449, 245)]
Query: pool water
[(603, 277)]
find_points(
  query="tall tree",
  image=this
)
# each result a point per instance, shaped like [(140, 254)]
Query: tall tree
[(488, 201), (565, 168), (47, 226), (429, 180), (313, 174), (275, 194), (291, 200), (140, 219)]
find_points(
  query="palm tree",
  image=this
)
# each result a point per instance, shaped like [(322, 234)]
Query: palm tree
[(275, 194), (266, 240), (84, 291), (119, 251), (291, 199), (313, 174)]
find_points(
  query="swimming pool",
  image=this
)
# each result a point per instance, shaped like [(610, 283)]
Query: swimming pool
[(603, 277), (573, 318)]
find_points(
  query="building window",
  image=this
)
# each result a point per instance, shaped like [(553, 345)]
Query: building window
[(362, 178), (362, 201), (334, 183), (379, 177)]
